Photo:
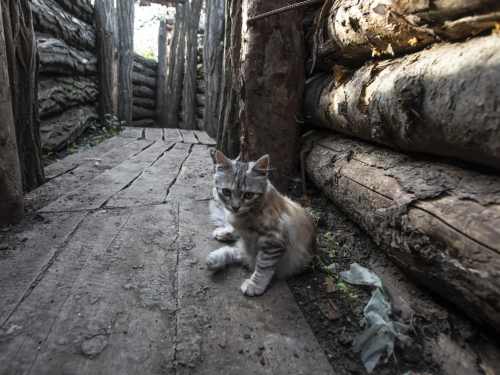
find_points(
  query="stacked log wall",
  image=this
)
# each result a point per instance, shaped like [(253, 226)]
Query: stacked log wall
[(144, 92), (419, 77), (68, 90), (68, 87)]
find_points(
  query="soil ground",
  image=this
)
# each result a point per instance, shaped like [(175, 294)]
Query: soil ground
[(442, 339)]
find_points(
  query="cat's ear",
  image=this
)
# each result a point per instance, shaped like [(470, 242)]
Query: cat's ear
[(221, 161), (261, 166)]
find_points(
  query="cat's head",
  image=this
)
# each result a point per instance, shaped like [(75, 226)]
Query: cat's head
[(238, 185)]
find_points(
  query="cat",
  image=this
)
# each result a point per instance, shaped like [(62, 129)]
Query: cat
[(275, 236)]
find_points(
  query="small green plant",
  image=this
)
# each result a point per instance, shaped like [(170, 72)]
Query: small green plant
[(348, 319), (315, 217), (352, 296), (331, 241), (361, 323), (314, 263), (47, 156)]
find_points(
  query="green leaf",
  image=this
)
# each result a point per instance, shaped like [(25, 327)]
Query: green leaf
[(361, 323), (348, 319)]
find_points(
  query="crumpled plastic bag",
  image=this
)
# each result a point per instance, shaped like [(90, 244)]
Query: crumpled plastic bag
[(381, 334)]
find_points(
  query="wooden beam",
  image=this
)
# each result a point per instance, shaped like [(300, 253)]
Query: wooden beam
[(171, 3)]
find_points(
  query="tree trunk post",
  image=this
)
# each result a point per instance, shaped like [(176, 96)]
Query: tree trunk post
[(213, 54), (176, 66), (125, 12), (161, 78), (22, 60), (271, 81), (11, 188), (228, 125), (189, 91), (105, 19)]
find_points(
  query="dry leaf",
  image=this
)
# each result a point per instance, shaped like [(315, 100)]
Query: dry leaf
[(496, 30), (330, 310), (330, 284), (375, 53), (341, 74), (413, 42)]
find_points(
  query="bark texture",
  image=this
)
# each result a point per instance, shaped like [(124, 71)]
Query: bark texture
[(58, 94), (49, 17), (161, 80), (143, 80), (200, 100), (83, 9), (57, 57), (190, 66), (228, 134), (143, 69), (438, 222), (143, 92), (105, 20), (139, 113), (57, 131), (144, 102), (443, 101), (358, 31), (271, 81), (125, 15), (146, 123), (213, 50), (11, 186), (22, 60), (176, 67), (148, 63)]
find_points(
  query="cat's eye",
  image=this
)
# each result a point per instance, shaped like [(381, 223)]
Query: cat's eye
[(226, 192), (248, 195)]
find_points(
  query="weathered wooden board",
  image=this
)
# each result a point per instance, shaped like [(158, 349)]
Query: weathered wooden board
[(194, 181), (214, 317), (72, 161), (83, 174), (93, 194), (204, 138), (172, 135), (188, 136), (154, 183), (131, 132), (21, 268), (117, 313), (154, 134)]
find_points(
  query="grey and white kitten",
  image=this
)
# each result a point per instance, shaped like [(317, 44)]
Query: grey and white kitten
[(275, 236)]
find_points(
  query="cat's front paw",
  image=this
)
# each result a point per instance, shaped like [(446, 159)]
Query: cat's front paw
[(214, 261), (251, 288), (224, 235)]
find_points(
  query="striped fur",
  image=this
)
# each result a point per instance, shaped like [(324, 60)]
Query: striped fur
[(275, 235)]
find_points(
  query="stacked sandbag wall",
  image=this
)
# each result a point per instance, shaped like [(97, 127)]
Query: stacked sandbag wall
[(419, 77)]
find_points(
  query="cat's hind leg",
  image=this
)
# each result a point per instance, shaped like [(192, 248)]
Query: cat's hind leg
[(226, 255), (225, 234)]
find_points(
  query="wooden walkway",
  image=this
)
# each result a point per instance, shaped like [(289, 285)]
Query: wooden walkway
[(112, 279)]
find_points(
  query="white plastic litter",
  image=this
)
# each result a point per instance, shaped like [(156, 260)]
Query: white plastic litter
[(381, 334)]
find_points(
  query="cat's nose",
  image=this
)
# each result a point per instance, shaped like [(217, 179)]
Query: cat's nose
[(235, 208)]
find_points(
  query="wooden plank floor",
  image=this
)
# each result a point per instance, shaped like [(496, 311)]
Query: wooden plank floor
[(112, 281)]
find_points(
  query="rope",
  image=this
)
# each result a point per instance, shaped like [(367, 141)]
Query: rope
[(285, 9)]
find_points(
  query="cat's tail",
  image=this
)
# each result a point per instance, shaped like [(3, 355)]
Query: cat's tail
[(218, 215)]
